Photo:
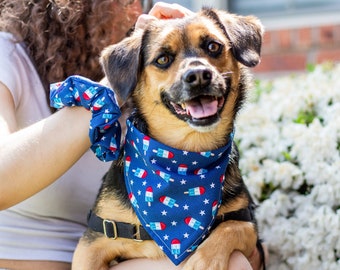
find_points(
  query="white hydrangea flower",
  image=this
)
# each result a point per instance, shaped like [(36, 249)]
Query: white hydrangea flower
[(289, 140)]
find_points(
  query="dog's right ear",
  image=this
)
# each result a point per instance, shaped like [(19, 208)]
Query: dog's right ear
[(121, 64)]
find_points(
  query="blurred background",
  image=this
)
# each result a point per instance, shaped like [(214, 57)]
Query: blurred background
[(299, 33)]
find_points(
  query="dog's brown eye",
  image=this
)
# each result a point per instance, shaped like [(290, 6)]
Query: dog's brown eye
[(214, 47), (164, 60)]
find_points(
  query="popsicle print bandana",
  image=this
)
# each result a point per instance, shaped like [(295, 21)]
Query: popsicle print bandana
[(105, 131), (175, 193)]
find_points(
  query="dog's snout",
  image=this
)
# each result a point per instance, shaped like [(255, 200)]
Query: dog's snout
[(197, 77)]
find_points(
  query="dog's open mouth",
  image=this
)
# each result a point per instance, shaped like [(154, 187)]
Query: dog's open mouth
[(202, 110), (200, 107)]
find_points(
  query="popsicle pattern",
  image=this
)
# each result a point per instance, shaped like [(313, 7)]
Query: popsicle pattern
[(104, 128), (176, 194)]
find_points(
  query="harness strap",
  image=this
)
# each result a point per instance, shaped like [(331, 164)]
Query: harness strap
[(113, 229)]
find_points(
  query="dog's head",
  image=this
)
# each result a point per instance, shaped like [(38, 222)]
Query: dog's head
[(187, 76)]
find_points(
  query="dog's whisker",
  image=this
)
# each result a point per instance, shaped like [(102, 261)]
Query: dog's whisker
[(154, 108), (226, 74)]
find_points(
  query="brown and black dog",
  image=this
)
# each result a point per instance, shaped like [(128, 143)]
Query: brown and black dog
[(187, 79)]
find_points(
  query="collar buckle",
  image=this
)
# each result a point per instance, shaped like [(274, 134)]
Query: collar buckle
[(110, 229), (137, 235)]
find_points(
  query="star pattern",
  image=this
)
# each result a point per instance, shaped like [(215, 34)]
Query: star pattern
[(100, 100), (169, 191)]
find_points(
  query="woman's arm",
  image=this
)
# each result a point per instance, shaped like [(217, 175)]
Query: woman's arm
[(34, 157)]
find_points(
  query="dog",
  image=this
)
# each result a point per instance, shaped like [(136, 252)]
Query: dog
[(186, 80)]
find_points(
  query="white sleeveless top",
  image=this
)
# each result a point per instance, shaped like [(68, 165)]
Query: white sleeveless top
[(48, 225)]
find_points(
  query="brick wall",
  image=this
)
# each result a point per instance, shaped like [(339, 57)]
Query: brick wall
[(290, 50)]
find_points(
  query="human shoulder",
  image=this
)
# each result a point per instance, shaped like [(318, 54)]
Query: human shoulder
[(7, 42), (10, 51), (15, 63), (11, 47)]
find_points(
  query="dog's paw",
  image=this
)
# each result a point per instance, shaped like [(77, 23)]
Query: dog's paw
[(204, 259)]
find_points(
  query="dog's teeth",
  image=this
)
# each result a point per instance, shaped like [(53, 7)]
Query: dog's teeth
[(183, 106)]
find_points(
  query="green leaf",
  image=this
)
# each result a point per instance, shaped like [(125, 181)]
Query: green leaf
[(310, 67), (267, 190), (305, 117)]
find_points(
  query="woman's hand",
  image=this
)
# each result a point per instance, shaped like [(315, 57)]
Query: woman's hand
[(237, 261), (163, 10)]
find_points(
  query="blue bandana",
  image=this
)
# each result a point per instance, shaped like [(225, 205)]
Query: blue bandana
[(104, 129), (175, 193)]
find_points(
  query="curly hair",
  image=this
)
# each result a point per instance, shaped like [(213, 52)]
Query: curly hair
[(65, 37)]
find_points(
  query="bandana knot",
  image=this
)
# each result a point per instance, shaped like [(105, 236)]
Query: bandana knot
[(175, 193)]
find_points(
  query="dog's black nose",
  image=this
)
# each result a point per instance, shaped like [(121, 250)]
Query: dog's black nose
[(197, 77)]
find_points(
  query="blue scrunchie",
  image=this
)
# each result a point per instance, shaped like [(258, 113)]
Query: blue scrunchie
[(104, 131)]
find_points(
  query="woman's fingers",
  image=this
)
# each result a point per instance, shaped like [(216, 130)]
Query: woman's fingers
[(163, 10)]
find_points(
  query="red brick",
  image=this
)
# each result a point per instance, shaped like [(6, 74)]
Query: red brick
[(304, 36), (292, 49), (328, 55), (284, 37), (282, 62), (267, 42), (337, 33), (326, 35)]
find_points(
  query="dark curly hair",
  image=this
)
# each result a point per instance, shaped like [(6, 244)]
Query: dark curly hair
[(65, 37)]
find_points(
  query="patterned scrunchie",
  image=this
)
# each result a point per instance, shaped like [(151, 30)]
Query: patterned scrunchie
[(104, 131)]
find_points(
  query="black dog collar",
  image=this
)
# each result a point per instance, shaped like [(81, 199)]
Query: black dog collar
[(113, 229)]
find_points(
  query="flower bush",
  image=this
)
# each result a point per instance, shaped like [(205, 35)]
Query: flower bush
[(289, 139)]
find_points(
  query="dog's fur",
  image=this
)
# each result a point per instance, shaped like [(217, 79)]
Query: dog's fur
[(160, 68)]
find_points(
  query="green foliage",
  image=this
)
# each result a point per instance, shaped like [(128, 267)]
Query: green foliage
[(260, 88), (310, 67), (305, 188), (267, 190), (305, 117)]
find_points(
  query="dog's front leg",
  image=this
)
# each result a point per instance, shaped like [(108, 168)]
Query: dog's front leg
[(94, 255), (215, 251)]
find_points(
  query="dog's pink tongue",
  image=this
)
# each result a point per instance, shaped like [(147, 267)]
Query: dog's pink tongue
[(202, 107)]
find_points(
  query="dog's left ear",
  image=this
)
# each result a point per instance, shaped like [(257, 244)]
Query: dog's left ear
[(245, 34), (121, 64)]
